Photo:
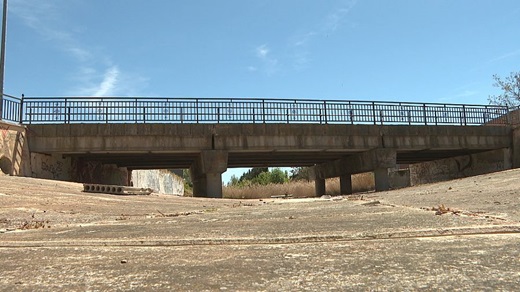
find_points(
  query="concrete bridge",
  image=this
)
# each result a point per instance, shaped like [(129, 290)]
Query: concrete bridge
[(337, 138)]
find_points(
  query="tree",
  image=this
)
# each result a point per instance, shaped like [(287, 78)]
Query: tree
[(510, 87), (278, 176), (253, 173), (260, 176), (233, 181), (301, 173)]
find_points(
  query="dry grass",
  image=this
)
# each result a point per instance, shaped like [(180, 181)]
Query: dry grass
[(301, 189)]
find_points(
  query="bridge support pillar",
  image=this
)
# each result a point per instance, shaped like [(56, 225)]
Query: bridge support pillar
[(206, 173), (345, 184), (376, 160), (381, 178), (319, 186)]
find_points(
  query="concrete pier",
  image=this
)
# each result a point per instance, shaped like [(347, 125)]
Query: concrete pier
[(376, 160), (206, 173), (381, 179), (345, 184)]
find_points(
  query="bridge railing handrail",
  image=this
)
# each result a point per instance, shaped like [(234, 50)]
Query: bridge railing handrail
[(10, 108), (40, 110)]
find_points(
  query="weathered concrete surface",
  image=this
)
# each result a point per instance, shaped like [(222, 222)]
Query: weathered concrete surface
[(516, 142), (338, 150), (252, 144), (399, 178), (377, 160), (383, 241), (51, 166), (14, 151), (16, 158), (206, 173), (95, 172), (460, 166), (161, 180), (359, 163)]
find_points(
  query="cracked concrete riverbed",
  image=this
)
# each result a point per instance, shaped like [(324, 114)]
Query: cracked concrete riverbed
[(456, 235)]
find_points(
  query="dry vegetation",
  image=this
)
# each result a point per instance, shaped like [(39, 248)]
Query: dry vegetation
[(299, 189)]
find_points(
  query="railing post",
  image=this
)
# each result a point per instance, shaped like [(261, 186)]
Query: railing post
[(263, 110), (325, 112), (20, 110), (197, 110), (424, 115), (374, 113), (66, 112), (135, 110), (351, 113), (464, 114)]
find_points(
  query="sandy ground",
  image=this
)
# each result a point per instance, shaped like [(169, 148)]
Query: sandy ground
[(456, 235)]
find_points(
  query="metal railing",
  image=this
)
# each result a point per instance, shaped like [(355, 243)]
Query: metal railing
[(11, 108), (41, 110)]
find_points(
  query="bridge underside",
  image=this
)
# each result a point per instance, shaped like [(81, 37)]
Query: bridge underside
[(209, 149), (183, 160)]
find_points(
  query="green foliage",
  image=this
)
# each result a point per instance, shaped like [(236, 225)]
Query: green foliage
[(300, 173), (277, 176), (233, 181), (188, 184), (253, 173), (260, 176), (510, 87)]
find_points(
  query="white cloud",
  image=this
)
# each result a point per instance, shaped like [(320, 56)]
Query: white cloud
[(43, 18), (466, 93), (262, 51), (505, 56), (106, 88), (303, 39), (300, 43), (105, 79), (336, 18), (269, 63), (110, 81)]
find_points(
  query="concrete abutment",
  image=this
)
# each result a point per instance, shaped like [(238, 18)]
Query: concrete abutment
[(461, 166)]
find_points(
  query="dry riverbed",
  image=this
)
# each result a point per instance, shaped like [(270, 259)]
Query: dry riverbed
[(461, 234)]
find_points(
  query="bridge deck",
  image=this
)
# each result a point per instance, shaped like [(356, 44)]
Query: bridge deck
[(144, 146)]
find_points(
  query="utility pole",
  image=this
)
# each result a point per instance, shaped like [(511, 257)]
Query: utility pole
[(2, 59)]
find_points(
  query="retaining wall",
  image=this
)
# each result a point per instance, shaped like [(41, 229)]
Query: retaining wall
[(160, 180), (461, 166), (14, 150)]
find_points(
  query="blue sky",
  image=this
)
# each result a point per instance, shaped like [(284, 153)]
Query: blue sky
[(400, 50)]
